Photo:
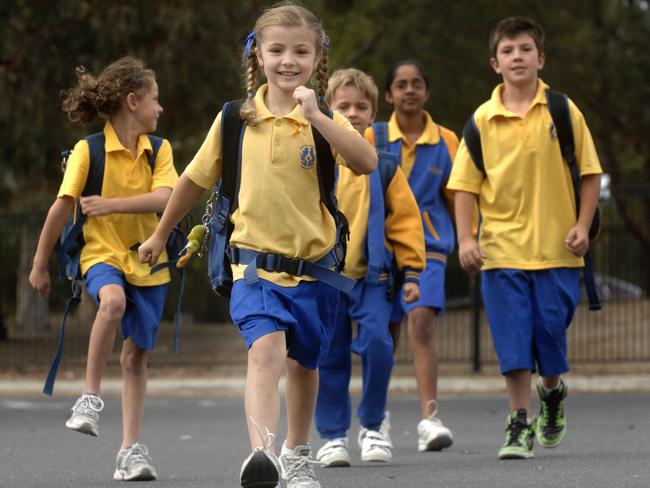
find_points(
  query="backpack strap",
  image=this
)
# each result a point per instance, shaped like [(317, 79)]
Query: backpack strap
[(558, 107), (472, 138), (156, 142), (380, 131), (232, 136), (387, 168)]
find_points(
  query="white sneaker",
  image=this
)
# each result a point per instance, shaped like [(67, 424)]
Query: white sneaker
[(432, 434), (334, 453), (374, 447), (134, 464), (385, 428), (85, 414), (298, 468)]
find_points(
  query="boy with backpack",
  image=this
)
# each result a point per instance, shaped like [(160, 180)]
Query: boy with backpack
[(531, 244)]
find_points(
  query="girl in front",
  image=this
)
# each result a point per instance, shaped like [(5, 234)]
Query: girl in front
[(122, 215), (286, 320)]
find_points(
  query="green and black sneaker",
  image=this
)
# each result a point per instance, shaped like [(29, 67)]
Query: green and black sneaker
[(519, 437), (550, 425)]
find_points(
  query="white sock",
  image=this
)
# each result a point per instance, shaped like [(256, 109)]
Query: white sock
[(549, 390), (286, 451)]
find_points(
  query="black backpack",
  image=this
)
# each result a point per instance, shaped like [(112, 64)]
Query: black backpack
[(224, 200), (558, 106), (72, 241)]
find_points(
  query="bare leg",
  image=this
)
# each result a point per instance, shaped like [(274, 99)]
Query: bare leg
[(518, 388), (134, 374), (300, 394), (550, 382), (422, 338), (112, 303), (395, 330), (266, 361)]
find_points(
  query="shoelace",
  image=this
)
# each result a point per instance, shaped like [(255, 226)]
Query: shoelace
[(432, 416), (136, 454), (551, 408), (301, 467), (88, 404), (268, 439), (514, 430)]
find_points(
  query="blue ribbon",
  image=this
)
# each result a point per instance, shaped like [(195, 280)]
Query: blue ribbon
[(326, 42), (250, 38)]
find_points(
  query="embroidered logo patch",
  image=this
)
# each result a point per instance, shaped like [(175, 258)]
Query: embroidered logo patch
[(307, 157), (435, 170), (552, 131)]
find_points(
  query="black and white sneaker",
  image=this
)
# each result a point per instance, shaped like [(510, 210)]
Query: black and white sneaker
[(260, 470)]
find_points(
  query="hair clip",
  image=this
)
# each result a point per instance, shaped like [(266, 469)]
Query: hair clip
[(250, 39), (326, 42)]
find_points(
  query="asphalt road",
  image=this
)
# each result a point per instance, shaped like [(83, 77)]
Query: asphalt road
[(201, 442)]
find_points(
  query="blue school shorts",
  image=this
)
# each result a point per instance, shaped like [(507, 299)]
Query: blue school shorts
[(432, 292), (144, 304), (306, 313), (528, 313)]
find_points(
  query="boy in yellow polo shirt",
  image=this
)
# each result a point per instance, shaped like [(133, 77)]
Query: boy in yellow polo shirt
[(384, 223), (134, 188), (530, 244)]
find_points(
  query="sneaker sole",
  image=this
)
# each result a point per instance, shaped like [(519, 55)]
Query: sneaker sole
[(337, 463), (437, 444), (260, 472), (377, 458), (516, 455), (144, 475), (85, 428)]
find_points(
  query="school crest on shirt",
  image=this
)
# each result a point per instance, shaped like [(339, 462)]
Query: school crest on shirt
[(307, 156), (552, 131)]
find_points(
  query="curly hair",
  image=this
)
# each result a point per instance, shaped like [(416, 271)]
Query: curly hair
[(105, 94)]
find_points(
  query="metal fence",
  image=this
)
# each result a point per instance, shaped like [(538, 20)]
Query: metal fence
[(29, 328)]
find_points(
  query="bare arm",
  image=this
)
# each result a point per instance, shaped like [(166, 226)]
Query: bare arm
[(577, 240), (470, 254), (56, 218), (155, 201), (183, 197)]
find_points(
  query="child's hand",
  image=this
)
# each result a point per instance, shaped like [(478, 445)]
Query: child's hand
[(306, 98), (577, 240), (411, 292), (471, 255), (95, 206), (150, 250), (40, 281)]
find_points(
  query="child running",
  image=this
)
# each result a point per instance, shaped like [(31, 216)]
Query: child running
[(384, 222), (426, 151), (117, 219), (286, 320), (531, 243)]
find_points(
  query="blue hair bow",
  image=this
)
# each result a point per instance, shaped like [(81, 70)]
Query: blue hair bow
[(250, 38)]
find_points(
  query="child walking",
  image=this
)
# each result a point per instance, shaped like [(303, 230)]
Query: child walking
[(121, 216), (531, 243), (426, 151), (285, 319), (384, 223)]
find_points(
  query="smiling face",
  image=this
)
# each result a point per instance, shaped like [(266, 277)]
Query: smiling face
[(518, 60), (354, 106), (408, 91), (148, 109), (287, 55)]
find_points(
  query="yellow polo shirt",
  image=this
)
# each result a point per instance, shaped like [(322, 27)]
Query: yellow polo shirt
[(279, 207), (109, 238), (527, 201)]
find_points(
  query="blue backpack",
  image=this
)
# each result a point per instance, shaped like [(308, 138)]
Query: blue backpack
[(72, 241), (558, 106), (224, 200)]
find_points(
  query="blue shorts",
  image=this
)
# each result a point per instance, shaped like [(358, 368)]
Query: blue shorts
[(528, 313), (306, 313), (432, 292), (144, 304)]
